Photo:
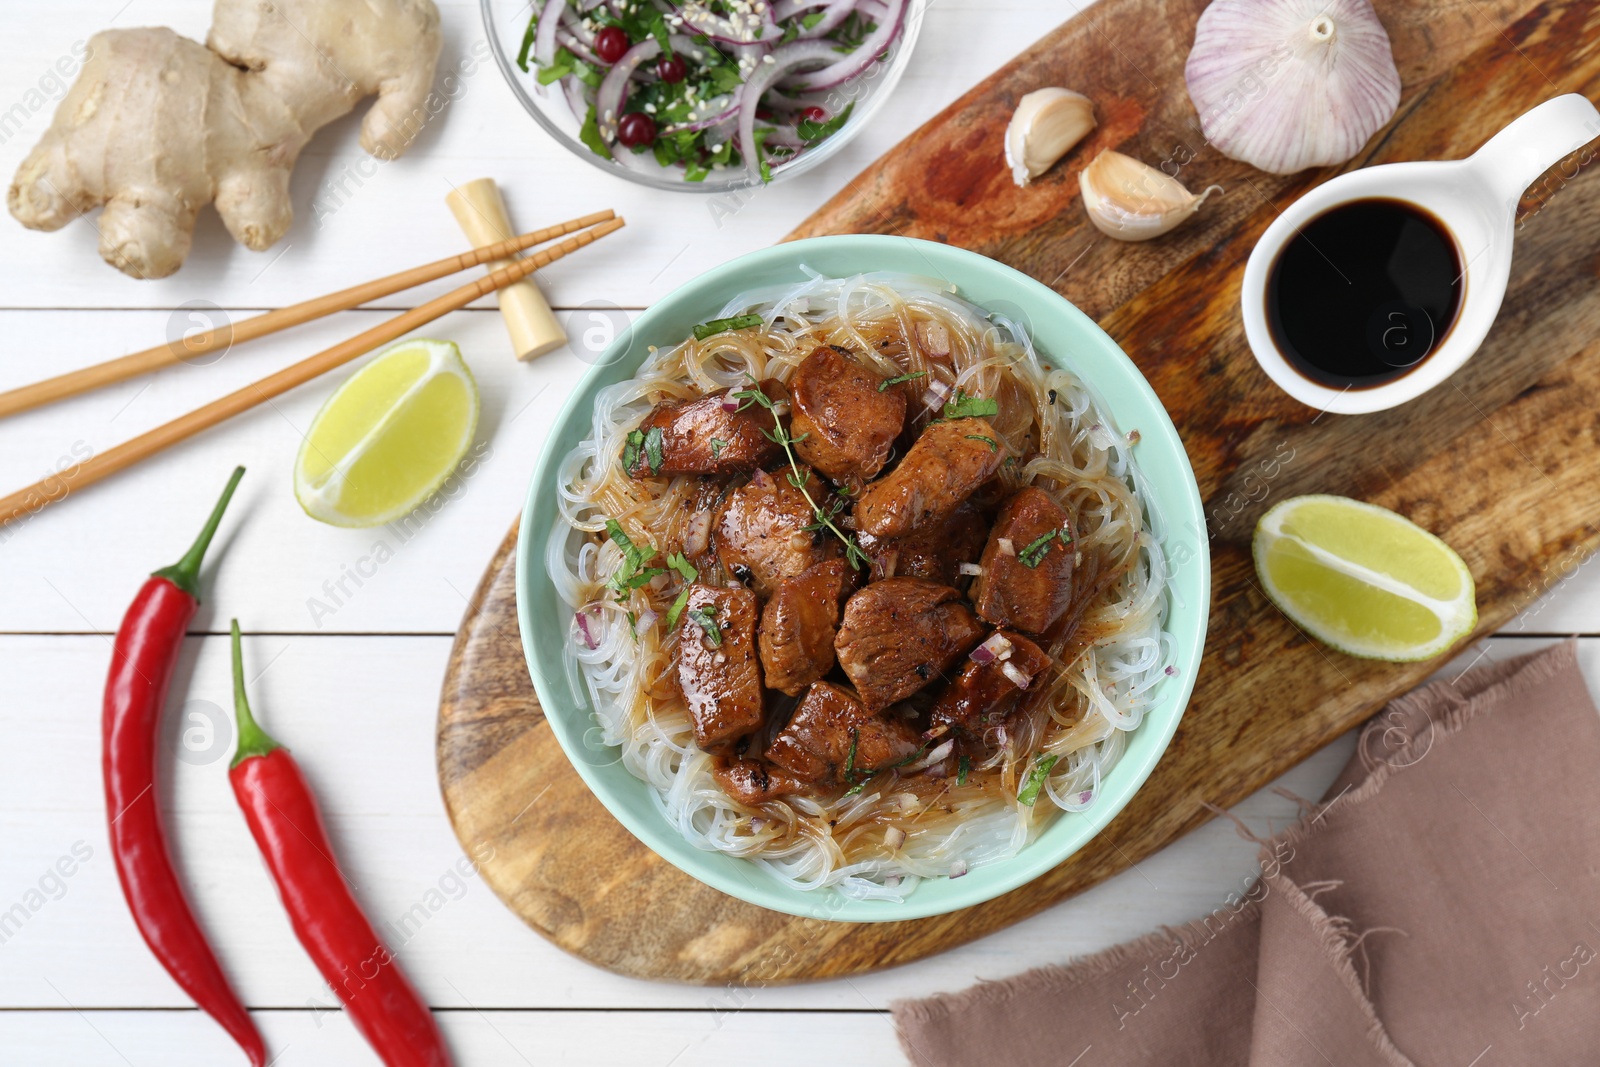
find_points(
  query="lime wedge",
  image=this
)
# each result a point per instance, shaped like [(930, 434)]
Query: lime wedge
[(389, 436), (1364, 580)]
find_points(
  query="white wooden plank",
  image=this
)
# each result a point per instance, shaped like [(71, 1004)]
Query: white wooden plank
[(354, 220), (572, 1039), (359, 713), (75, 565)]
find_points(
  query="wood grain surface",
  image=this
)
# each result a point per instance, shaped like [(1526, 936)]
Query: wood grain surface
[(1502, 461)]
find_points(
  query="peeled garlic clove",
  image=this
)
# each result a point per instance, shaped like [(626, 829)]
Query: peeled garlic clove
[(1045, 126), (1132, 201), (1288, 84)]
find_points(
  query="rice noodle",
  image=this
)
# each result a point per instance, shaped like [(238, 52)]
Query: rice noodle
[(1108, 669)]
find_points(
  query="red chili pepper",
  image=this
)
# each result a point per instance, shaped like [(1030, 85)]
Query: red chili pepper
[(284, 818), (142, 659)]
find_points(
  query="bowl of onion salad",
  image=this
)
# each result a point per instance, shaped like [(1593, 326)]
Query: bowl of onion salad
[(702, 95)]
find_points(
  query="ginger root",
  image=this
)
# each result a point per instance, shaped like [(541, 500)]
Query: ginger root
[(157, 126)]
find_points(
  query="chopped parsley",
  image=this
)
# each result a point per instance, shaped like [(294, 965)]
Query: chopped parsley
[(677, 608), (811, 131), (678, 562), (1036, 777), (706, 619), (897, 379), (652, 448), (1033, 554), (966, 407), (717, 445), (994, 446), (716, 326)]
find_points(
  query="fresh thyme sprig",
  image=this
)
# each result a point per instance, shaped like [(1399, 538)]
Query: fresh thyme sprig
[(780, 436)]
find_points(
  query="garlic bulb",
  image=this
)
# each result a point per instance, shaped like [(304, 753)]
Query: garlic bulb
[(1044, 127), (1288, 84), (1132, 201)]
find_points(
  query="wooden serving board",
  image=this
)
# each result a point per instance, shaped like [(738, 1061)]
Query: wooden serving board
[(1502, 461)]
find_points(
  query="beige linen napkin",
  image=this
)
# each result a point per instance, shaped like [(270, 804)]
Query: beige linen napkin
[(1439, 908)]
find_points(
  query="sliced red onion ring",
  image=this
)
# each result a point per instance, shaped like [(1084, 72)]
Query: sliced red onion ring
[(544, 40), (784, 10), (613, 93), (863, 57), (873, 9), (717, 111), (784, 59), (751, 29), (572, 43), (837, 12), (573, 22)]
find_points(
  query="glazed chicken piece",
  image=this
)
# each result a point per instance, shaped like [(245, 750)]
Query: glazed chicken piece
[(1030, 586), (761, 534), (753, 781), (717, 666), (900, 634), (702, 437), (844, 423), (947, 463), (983, 693), (935, 551), (833, 736), (798, 624)]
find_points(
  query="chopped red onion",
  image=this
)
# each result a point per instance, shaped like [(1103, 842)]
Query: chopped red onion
[(1005, 546), (1019, 679), (781, 408), (894, 837), (930, 759), (760, 479), (729, 404), (756, 823), (697, 534), (647, 618), (1171, 671), (958, 868), (582, 619), (892, 882), (1085, 796), (970, 568), (997, 647)]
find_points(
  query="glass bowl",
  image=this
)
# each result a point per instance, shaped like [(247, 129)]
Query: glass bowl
[(505, 22)]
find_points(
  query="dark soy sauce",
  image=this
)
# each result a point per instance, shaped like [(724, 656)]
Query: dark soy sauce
[(1364, 292)]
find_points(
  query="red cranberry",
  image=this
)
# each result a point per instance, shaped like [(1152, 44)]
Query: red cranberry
[(814, 114), (611, 44), (635, 129), (671, 69)]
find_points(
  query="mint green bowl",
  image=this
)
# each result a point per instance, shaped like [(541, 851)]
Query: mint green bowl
[(1060, 331)]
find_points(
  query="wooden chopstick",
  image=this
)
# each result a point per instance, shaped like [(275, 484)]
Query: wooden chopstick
[(122, 368), (104, 464)]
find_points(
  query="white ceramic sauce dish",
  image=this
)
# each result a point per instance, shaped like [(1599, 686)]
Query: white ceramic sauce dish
[(1475, 199)]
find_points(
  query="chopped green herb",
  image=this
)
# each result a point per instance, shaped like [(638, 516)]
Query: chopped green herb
[(678, 562), (638, 579), (717, 445), (527, 42), (633, 625), (559, 68), (652, 448), (1035, 782), (706, 619), (620, 538), (630, 450), (966, 407), (809, 21), (1034, 553), (849, 772), (963, 768), (586, 74), (590, 135), (716, 326), (677, 608), (811, 132), (658, 30), (760, 139), (902, 378), (994, 445)]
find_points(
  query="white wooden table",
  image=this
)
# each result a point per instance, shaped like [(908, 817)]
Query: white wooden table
[(350, 677)]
